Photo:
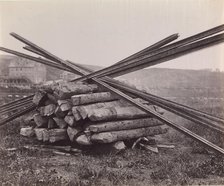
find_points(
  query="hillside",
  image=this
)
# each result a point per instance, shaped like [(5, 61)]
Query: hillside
[(178, 83)]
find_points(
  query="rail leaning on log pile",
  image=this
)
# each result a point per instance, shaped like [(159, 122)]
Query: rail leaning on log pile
[(141, 106), (177, 127), (204, 122)]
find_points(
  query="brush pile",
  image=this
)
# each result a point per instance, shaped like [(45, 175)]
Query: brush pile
[(85, 114)]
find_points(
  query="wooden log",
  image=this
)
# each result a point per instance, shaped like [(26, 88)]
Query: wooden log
[(122, 125), (27, 131), (70, 113), (57, 135), (92, 98), (65, 106), (39, 97), (73, 132), (39, 133), (76, 114), (46, 136), (47, 110), (60, 123), (84, 110), (70, 120), (40, 121), (59, 113), (83, 140), (70, 89), (109, 137), (51, 124), (52, 98), (116, 113)]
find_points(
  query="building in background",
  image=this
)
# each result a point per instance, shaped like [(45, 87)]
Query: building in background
[(20, 67)]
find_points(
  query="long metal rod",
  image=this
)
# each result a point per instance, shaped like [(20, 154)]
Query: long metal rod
[(30, 49), (15, 104), (18, 114), (39, 60), (168, 106), (46, 53), (16, 101), (151, 48), (157, 52), (18, 106), (165, 101), (181, 52), (124, 68)]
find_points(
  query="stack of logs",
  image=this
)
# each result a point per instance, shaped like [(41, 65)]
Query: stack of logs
[(85, 114)]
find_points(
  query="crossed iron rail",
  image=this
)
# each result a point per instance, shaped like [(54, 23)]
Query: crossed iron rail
[(157, 53)]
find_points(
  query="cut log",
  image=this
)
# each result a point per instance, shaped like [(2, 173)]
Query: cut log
[(70, 89), (51, 124), (70, 120), (39, 133), (73, 132), (83, 140), (47, 102), (45, 134), (109, 137), (58, 112), (65, 105), (60, 123), (92, 98), (47, 110), (27, 131), (52, 98), (116, 113), (70, 113), (86, 109), (76, 114), (57, 135), (39, 97), (122, 125), (40, 121)]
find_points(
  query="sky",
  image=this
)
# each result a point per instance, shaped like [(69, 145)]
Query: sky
[(102, 32)]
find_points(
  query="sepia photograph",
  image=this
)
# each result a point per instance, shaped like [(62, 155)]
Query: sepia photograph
[(111, 92)]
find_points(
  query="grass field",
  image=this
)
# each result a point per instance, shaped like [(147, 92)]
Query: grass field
[(188, 163)]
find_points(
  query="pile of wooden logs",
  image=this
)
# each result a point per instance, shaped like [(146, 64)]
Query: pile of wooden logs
[(85, 114)]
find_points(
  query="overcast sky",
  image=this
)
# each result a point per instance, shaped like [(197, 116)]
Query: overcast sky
[(104, 32)]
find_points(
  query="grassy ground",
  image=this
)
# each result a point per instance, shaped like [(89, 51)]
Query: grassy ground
[(187, 163)]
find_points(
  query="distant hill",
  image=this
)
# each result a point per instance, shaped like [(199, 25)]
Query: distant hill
[(167, 78), (178, 83)]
